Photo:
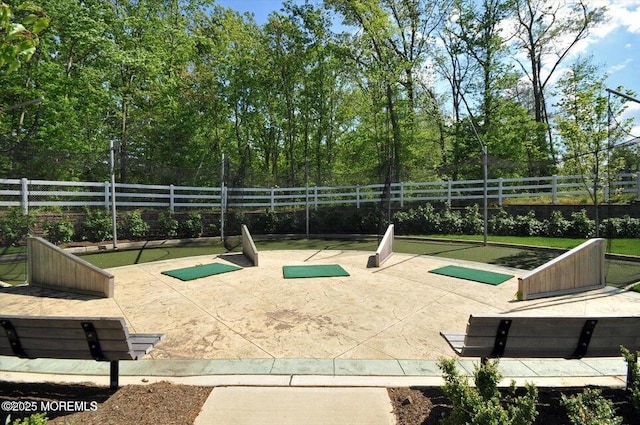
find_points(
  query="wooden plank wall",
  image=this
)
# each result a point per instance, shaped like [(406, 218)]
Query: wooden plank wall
[(248, 246), (385, 249), (579, 269), (52, 267)]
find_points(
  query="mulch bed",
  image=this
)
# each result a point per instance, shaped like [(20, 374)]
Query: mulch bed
[(165, 403)]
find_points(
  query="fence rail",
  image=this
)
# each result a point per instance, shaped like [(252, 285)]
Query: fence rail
[(27, 194)]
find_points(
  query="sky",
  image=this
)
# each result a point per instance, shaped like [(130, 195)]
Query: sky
[(614, 44)]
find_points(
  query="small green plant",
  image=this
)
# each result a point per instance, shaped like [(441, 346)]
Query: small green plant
[(581, 225), (14, 227), (133, 226), (631, 359), (168, 225), (590, 408), (35, 419), (59, 231), (484, 403), (191, 227), (556, 226), (97, 226)]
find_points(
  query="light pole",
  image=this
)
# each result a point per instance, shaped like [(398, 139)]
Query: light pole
[(113, 194), (485, 191)]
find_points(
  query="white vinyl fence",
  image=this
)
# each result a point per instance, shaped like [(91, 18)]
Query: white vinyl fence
[(27, 194)]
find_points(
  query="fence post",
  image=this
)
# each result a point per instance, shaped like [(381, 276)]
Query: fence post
[(401, 194), (500, 191), (107, 195), (358, 196), (554, 190), (172, 200), (24, 198), (273, 199), (449, 191), (638, 186), (315, 197)]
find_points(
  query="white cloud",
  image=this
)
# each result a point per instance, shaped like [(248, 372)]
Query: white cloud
[(618, 67)]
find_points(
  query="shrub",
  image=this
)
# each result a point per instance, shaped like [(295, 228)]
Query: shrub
[(581, 225), (35, 419), (502, 224), (168, 225), (484, 403), (59, 231), (625, 227), (472, 222), (133, 226), (590, 408), (450, 221), (266, 223), (556, 226), (191, 227), (634, 377), (527, 225), (97, 226), (14, 227)]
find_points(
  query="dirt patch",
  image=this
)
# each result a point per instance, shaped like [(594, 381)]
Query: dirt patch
[(159, 403)]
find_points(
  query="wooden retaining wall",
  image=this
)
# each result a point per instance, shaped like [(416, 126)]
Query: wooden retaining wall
[(51, 267), (579, 269), (248, 246), (385, 249)]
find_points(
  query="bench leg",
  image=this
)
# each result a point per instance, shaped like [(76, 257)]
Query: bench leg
[(114, 373)]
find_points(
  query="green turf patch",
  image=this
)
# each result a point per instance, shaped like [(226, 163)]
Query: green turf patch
[(475, 275), (190, 273), (322, 270)]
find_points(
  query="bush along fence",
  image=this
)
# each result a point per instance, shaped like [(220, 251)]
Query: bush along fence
[(26, 194), (97, 225)]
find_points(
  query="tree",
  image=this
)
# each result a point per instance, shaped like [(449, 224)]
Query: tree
[(18, 40), (547, 32), (583, 125)]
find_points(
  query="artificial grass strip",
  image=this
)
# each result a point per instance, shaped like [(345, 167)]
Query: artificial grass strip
[(197, 272), (321, 270), (475, 275)]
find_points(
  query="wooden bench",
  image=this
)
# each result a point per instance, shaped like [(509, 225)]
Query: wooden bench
[(88, 338), (567, 337)]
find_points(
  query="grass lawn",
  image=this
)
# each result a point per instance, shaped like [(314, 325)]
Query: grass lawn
[(518, 255)]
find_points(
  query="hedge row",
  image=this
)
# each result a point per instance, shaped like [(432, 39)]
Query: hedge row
[(427, 220), (96, 225)]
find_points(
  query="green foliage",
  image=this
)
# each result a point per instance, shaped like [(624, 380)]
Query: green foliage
[(191, 226), (450, 221), (556, 226), (502, 224), (132, 226), (634, 376), (58, 231), (35, 419), (581, 225), (485, 404), (18, 40), (624, 227), (97, 226), (168, 225), (14, 227), (527, 225), (590, 408), (472, 222)]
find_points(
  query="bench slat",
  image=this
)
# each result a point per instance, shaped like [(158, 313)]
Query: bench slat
[(52, 322), (69, 344), (69, 354)]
